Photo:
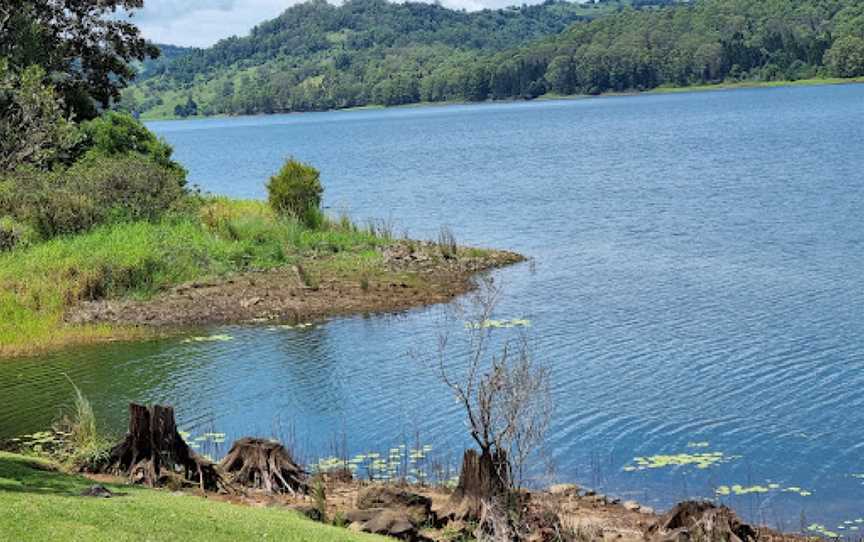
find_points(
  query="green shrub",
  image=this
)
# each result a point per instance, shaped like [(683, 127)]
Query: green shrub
[(115, 134), (15, 234), (296, 192), (127, 188), (96, 190)]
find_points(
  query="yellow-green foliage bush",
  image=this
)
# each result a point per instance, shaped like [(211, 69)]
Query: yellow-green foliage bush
[(296, 192)]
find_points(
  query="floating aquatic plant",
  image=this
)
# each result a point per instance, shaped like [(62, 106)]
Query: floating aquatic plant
[(485, 324), (738, 489), (398, 462), (818, 528), (699, 460), (209, 338), (303, 325)]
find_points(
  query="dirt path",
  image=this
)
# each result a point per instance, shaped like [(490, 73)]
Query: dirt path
[(406, 275)]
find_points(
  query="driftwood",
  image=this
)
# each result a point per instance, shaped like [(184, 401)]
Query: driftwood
[(484, 478), (153, 452), (264, 465)]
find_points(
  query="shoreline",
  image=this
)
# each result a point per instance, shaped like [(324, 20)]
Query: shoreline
[(725, 86), (413, 274), (352, 506)]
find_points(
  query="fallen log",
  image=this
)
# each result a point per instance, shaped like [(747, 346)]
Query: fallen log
[(264, 465), (153, 453)]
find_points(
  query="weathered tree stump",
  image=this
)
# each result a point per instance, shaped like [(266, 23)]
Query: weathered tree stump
[(264, 465), (484, 477), (153, 452)]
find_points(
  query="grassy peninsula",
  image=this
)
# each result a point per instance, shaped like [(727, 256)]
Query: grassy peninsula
[(139, 259), (335, 267)]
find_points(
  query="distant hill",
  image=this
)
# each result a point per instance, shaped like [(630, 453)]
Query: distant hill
[(320, 56), (317, 56)]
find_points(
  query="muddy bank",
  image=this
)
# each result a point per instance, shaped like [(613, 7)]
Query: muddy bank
[(403, 275)]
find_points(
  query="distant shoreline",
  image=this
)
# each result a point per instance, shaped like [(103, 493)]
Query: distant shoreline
[(831, 81)]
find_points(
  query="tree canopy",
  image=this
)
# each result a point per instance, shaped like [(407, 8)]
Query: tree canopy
[(83, 46)]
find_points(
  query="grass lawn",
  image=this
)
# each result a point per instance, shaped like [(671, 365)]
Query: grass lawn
[(38, 504)]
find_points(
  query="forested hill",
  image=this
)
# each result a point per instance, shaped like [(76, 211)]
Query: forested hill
[(318, 56)]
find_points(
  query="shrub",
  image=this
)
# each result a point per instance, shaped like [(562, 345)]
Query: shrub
[(96, 190), (296, 192), (15, 234), (127, 188), (115, 134)]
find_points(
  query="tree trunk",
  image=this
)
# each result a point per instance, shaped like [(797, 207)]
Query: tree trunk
[(153, 452), (484, 477), (265, 465)]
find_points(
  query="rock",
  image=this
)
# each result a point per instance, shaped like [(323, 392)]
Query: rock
[(678, 535), (563, 489), (391, 523), (362, 516), (97, 491), (251, 302), (417, 507), (633, 506), (647, 510), (701, 521), (309, 511)]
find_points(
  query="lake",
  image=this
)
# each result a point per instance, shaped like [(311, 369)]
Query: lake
[(696, 286)]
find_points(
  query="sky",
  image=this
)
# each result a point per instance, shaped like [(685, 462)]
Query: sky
[(201, 23)]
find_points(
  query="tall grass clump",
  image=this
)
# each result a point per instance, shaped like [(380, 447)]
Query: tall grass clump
[(84, 447)]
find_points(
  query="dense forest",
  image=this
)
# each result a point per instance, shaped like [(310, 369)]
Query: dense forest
[(317, 56)]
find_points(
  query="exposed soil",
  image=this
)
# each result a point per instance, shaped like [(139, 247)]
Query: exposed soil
[(581, 514), (411, 275)]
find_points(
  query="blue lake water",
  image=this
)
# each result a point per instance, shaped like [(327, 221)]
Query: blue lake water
[(696, 286)]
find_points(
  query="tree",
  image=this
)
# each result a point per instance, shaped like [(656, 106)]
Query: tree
[(33, 129), (82, 45), (116, 134), (506, 399), (846, 57)]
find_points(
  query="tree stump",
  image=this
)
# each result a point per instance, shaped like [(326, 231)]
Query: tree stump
[(264, 465), (484, 477), (154, 453)]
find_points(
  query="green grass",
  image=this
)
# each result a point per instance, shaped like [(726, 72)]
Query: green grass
[(760, 84), (37, 504), (39, 283)]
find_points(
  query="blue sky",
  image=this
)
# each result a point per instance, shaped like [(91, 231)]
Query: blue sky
[(203, 22)]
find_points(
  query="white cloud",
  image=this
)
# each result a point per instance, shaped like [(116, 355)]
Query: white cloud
[(202, 23)]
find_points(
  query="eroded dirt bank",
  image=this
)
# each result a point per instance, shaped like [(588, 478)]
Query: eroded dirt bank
[(400, 276)]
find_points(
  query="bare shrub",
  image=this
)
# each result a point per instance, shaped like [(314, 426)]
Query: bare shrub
[(447, 243), (506, 398)]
